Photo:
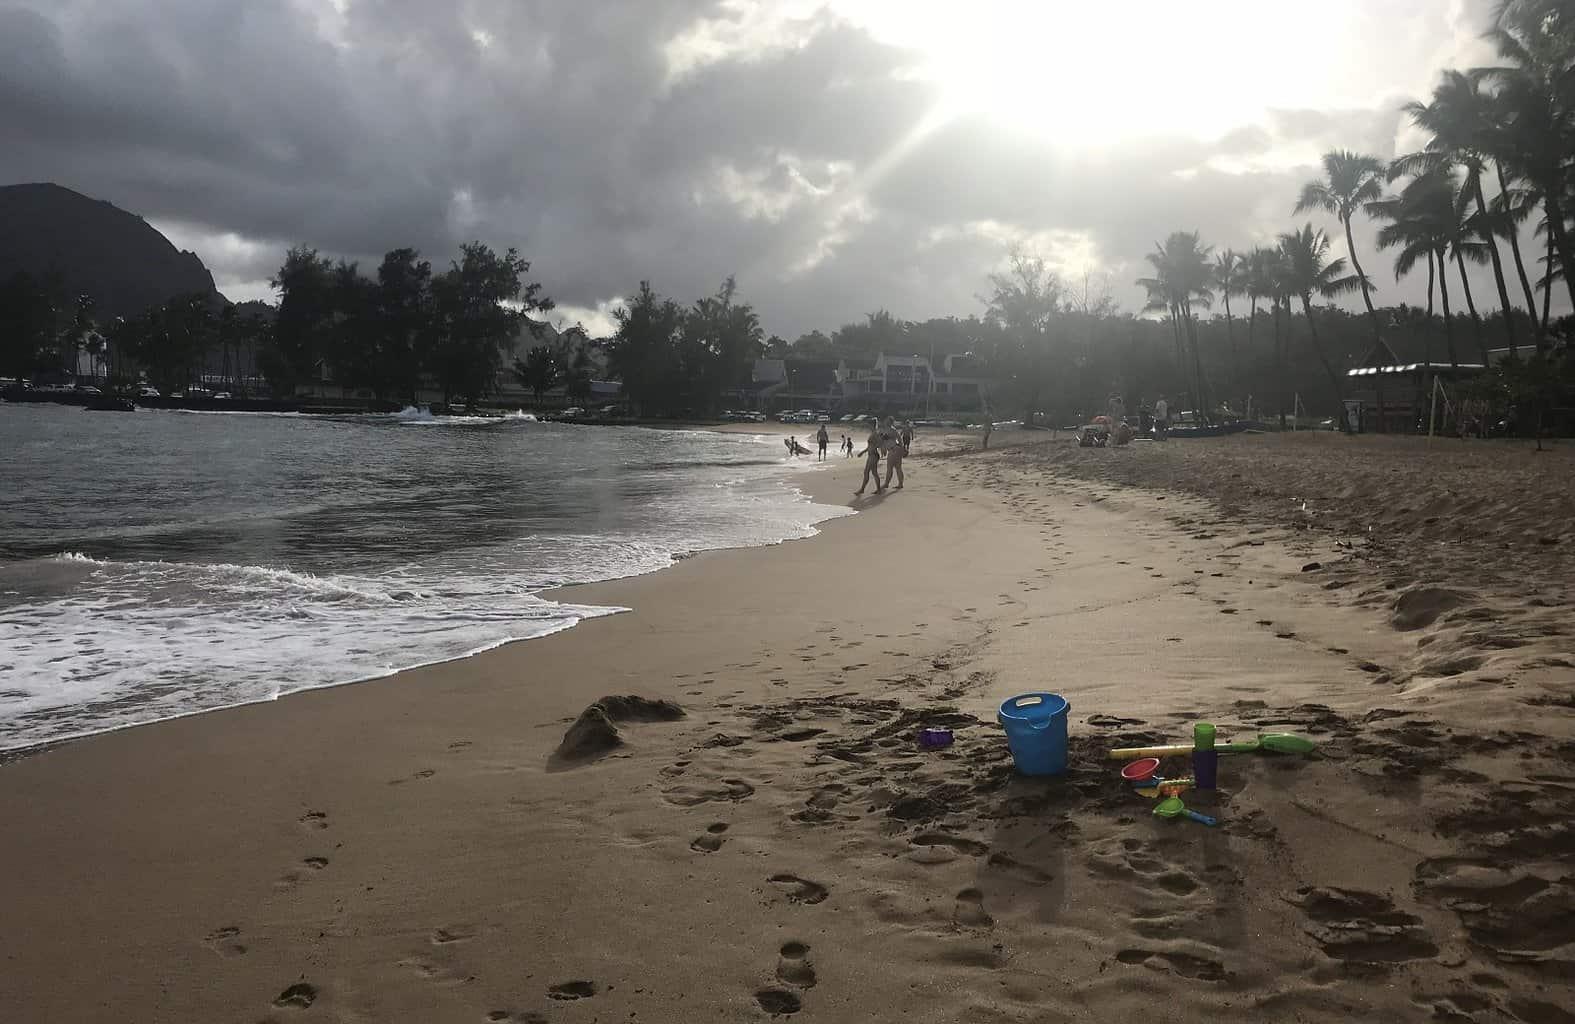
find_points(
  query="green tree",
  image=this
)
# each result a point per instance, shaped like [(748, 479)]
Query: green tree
[(404, 314), (1230, 278), (1182, 280), (1350, 182), (303, 328), (1025, 302), (643, 353), (1535, 131), (1460, 118), (722, 340), (814, 345), (1309, 270), (480, 303), (577, 377), (1424, 221), (540, 370), (30, 313), (170, 342)]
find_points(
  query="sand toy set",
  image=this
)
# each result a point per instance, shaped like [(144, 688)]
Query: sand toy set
[(1036, 732)]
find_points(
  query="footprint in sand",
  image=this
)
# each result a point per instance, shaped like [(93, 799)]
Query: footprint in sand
[(778, 1002), (516, 1017), (1194, 967), (452, 933), (946, 841), (799, 890), (793, 966), (1361, 926), (225, 941), (571, 990), (314, 819), (969, 910), (434, 973), (713, 839), (725, 789), (298, 996)]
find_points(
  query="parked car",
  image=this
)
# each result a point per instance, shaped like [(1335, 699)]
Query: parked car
[(572, 411), (88, 389), (148, 391)]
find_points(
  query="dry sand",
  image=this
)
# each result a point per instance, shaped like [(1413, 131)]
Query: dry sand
[(400, 850)]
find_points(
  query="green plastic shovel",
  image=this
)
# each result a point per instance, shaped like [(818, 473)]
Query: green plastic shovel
[(1274, 742)]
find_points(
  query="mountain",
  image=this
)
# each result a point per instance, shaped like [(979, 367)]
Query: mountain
[(112, 255)]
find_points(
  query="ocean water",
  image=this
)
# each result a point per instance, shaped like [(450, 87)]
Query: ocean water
[(156, 564)]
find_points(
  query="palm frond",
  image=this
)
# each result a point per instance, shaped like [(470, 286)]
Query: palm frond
[(1339, 286)]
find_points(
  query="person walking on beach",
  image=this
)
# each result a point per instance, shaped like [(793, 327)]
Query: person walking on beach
[(989, 425), (871, 455), (847, 447), (1161, 418), (894, 456), (822, 439)]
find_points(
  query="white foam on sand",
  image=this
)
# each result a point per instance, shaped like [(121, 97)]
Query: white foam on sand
[(97, 644)]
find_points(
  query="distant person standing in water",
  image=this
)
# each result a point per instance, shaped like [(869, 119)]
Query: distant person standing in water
[(989, 425), (822, 438), (847, 447), (871, 455), (1161, 418)]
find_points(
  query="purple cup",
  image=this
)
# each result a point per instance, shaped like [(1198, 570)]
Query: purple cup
[(935, 739)]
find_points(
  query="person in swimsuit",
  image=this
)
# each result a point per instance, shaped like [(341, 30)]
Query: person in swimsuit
[(822, 438), (871, 454), (894, 455)]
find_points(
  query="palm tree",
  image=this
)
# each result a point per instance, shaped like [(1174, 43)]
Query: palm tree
[(1277, 282), (1535, 94), (1350, 182), (1308, 269), (1230, 278), (1423, 220), (1512, 207), (1182, 278), (1460, 118)]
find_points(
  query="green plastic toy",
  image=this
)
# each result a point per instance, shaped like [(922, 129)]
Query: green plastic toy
[(1172, 807)]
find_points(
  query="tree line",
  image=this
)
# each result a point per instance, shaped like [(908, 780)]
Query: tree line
[(1500, 154), (1511, 126)]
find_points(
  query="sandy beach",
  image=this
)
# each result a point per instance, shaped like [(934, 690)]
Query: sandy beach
[(402, 850)]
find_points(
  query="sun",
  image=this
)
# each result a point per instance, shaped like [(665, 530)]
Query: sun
[(1087, 74)]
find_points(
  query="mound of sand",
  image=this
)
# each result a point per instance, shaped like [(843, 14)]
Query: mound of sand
[(595, 732), (1421, 606)]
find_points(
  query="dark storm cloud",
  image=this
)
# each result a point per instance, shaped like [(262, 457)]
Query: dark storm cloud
[(245, 126)]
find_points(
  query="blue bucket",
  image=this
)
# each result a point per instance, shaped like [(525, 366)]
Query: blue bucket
[(1035, 725)]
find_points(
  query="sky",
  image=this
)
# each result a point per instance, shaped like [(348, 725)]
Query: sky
[(837, 157)]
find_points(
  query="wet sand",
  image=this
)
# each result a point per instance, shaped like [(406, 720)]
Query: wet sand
[(400, 850)]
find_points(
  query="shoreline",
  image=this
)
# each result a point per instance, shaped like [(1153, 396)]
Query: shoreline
[(402, 851), (797, 484)]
